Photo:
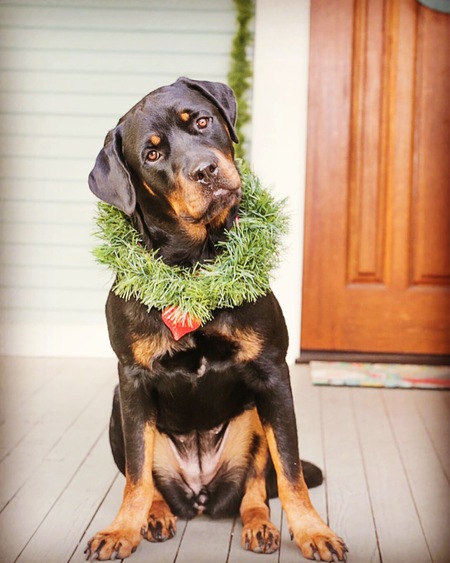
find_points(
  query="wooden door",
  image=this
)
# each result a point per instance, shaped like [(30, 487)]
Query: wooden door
[(377, 234)]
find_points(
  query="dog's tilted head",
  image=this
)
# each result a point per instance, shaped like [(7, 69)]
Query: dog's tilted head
[(169, 165)]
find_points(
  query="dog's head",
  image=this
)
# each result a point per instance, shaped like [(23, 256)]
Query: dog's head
[(173, 151)]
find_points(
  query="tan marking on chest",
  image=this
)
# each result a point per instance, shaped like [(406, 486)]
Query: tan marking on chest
[(249, 343), (147, 349)]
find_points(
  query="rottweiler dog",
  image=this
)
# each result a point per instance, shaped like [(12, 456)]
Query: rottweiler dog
[(203, 424)]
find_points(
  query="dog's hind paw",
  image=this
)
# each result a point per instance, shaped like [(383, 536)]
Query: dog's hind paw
[(261, 538), (162, 524)]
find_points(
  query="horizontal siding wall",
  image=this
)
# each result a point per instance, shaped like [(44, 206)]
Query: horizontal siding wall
[(69, 70)]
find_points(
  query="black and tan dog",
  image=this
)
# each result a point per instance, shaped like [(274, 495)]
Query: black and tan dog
[(202, 424)]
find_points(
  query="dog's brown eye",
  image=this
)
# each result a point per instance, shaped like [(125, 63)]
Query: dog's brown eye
[(153, 155), (203, 122)]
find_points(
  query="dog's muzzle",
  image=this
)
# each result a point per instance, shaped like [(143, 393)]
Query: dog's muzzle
[(206, 173)]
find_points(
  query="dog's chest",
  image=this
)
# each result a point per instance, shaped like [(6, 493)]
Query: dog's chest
[(213, 348), (200, 355)]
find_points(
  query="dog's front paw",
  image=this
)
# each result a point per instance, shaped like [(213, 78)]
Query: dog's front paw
[(112, 543), (162, 524), (322, 542), (261, 538)]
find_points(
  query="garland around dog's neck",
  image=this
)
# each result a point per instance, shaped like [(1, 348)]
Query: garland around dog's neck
[(187, 297)]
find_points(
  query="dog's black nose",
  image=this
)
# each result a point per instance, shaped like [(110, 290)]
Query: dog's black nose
[(206, 172)]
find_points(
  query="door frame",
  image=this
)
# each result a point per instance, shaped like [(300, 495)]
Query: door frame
[(278, 135)]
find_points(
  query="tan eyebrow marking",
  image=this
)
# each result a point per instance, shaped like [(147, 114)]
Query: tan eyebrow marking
[(155, 140), (185, 116)]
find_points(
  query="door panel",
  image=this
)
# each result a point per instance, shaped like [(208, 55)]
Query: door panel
[(431, 160), (377, 234)]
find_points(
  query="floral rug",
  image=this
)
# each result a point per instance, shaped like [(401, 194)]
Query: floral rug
[(380, 375)]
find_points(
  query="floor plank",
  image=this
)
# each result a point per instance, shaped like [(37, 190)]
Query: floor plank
[(19, 385), (36, 428), (52, 476), (59, 533), (427, 481), (24, 398), (398, 528), (434, 410), (204, 537), (349, 509)]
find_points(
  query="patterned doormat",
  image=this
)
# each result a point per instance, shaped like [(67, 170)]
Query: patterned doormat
[(380, 375)]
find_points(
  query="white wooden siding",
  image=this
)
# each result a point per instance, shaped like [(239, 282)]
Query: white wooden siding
[(69, 70)]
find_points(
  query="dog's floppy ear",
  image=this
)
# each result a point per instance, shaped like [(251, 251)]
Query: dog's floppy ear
[(221, 95), (110, 179)]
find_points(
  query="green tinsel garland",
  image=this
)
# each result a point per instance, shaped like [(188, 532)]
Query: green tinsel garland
[(241, 72), (239, 274)]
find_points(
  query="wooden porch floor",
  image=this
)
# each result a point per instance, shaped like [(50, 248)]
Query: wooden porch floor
[(386, 456)]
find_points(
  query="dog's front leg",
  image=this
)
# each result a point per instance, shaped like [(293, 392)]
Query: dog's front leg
[(124, 534), (276, 410)]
